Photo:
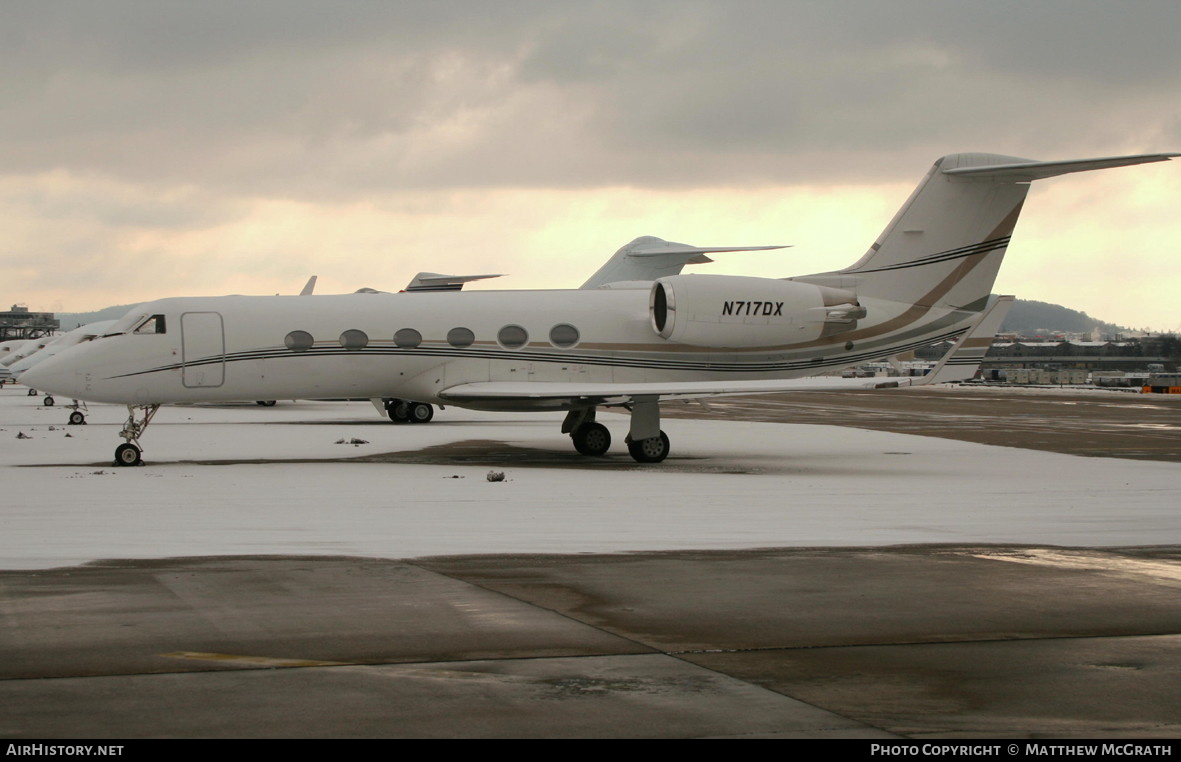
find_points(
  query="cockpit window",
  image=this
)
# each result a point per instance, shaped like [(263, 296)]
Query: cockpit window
[(126, 323), (154, 324)]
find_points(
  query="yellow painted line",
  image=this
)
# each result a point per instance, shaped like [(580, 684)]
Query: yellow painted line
[(252, 661)]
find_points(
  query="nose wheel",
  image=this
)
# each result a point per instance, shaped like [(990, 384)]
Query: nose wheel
[(129, 453), (78, 416)]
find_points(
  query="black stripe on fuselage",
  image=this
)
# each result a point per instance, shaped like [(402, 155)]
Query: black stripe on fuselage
[(815, 362), (944, 256)]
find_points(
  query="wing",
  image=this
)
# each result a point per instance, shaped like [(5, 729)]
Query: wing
[(960, 362)]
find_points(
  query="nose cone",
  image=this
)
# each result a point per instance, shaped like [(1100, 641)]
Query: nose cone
[(19, 367), (55, 374)]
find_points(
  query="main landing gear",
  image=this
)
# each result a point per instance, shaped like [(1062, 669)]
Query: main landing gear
[(646, 443), (405, 411), (129, 453)]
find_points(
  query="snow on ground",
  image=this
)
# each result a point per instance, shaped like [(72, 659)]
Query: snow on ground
[(247, 480)]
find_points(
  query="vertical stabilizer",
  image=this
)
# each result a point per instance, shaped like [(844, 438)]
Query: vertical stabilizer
[(945, 245)]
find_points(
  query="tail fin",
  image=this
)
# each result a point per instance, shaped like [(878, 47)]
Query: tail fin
[(945, 245)]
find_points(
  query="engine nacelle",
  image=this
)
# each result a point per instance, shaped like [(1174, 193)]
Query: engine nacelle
[(735, 311)]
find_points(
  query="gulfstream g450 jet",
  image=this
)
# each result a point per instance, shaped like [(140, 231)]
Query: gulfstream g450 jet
[(654, 335)]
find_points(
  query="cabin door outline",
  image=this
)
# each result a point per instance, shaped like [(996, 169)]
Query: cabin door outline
[(203, 350)]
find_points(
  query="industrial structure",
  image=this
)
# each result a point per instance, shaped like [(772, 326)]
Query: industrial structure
[(19, 323)]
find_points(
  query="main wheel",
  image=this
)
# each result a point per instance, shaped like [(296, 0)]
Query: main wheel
[(31, 393), (592, 439), (48, 401), (265, 403), (420, 412), (77, 419), (650, 450), (398, 411), (127, 454)]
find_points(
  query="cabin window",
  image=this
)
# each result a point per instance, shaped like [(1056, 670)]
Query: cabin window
[(354, 340), (299, 341), (563, 335), (154, 324), (512, 337), (461, 337), (407, 338)]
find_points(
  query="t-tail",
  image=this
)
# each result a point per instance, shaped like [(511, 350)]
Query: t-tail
[(945, 245)]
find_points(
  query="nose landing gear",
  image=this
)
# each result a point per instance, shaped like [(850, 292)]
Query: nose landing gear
[(78, 416), (129, 453)]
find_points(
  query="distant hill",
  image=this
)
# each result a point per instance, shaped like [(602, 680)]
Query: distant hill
[(1025, 317), (1028, 317), (71, 320)]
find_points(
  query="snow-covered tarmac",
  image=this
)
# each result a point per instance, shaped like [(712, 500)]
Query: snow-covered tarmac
[(220, 482)]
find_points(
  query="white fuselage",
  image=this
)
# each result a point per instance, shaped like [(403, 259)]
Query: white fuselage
[(364, 346)]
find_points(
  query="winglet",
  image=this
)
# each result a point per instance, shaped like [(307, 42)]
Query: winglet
[(309, 287), (963, 359)]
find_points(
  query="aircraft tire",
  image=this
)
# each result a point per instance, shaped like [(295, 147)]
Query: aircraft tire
[(419, 412), (31, 393), (77, 419), (265, 403), (127, 454), (398, 411), (651, 450), (48, 401), (592, 439)]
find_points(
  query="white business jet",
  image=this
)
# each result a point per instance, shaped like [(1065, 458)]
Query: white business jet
[(61, 343), (12, 352), (927, 278)]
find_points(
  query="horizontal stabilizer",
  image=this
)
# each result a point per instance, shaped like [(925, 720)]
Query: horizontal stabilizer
[(1038, 170), (666, 247), (438, 282), (647, 258)]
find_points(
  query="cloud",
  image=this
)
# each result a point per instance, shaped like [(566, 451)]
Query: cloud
[(310, 98), (235, 146)]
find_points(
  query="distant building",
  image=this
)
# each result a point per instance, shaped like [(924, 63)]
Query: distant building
[(19, 323), (1069, 360)]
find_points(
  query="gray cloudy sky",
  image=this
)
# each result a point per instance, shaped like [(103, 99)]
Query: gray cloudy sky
[(168, 137)]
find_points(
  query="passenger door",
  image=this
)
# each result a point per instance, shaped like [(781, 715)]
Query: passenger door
[(203, 349)]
